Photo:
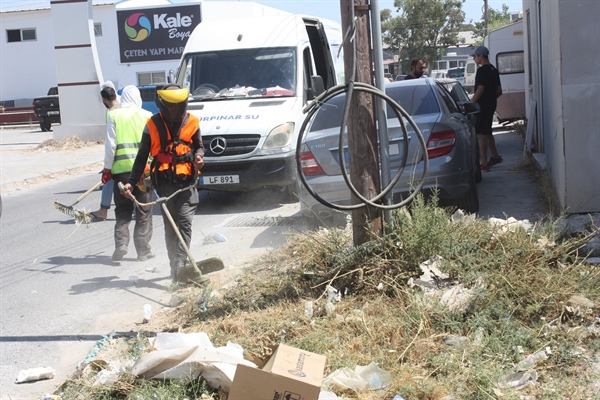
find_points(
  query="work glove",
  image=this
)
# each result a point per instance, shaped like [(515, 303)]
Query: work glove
[(106, 175)]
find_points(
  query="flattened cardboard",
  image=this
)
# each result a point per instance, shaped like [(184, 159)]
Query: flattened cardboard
[(290, 374)]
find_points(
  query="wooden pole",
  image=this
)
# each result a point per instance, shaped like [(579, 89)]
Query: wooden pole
[(362, 135)]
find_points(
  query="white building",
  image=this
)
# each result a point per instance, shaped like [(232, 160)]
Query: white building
[(77, 45), (563, 97), (27, 50)]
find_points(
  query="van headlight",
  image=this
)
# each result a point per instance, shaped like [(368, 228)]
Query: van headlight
[(279, 137)]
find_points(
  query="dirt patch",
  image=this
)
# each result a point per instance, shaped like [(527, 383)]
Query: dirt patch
[(72, 142)]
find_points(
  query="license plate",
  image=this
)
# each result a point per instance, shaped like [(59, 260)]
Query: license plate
[(219, 180), (53, 112)]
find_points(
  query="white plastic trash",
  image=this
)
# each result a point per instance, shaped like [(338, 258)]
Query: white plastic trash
[(35, 374)]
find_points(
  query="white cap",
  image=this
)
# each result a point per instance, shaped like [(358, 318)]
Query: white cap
[(108, 84)]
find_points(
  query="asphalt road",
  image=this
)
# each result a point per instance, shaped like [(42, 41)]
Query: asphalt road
[(60, 292)]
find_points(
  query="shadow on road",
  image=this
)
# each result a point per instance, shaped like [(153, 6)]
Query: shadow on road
[(115, 282), (212, 201)]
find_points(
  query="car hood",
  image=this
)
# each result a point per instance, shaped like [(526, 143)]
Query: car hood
[(244, 116)]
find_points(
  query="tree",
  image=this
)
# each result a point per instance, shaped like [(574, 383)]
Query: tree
[(496, 19), (423, 29)]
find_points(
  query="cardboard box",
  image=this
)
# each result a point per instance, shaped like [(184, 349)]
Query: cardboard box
[(290, 374)]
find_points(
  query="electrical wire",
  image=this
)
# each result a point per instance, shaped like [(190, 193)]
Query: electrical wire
[(349, 89)]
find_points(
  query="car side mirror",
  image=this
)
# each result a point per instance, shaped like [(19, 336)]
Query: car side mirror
[(471, 108), (316, 87)]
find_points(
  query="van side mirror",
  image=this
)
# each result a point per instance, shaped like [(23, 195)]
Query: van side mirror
[(471, 108), (316, 87), (171, 76)]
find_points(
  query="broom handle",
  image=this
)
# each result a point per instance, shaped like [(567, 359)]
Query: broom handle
[(90, 190)]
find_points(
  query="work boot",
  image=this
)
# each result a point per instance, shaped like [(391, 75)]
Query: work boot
[(176, 265), (147, 256), (119, 253)]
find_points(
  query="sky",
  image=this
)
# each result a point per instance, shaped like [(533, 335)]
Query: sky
[(330, 9)]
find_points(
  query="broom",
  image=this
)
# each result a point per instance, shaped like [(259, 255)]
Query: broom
[(80, 216)]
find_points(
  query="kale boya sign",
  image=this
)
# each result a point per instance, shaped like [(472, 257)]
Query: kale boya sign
[(155, 34)]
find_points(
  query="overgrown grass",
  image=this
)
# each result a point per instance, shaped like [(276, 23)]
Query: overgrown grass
[(521, 283)]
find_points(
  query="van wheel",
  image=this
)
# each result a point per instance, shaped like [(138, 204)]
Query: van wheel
[(45, 124)]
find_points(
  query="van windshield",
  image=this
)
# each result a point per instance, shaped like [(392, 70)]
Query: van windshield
[(239, 73), (456, 73)]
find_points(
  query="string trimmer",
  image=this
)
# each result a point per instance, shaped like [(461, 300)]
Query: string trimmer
[(196, 273), (81, 216)]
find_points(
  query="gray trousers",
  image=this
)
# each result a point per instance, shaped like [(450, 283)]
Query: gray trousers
[(182, 208), (142, 232)]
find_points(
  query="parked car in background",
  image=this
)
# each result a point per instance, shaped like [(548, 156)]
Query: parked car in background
[(447, 131), (438, 73), (148, 95), (47, 109), (457, 73)]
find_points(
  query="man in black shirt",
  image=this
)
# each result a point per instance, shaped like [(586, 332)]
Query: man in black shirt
[(417, 68), (487, 90)]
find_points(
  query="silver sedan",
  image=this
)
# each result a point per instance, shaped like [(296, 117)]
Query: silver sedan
[(447, 130)]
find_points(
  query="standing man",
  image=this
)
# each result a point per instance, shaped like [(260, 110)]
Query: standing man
[(172, 137), (124, 127), (110, 101), (417, 68), (487, 91)]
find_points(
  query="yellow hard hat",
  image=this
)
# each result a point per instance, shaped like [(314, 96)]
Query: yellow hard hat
[(174, 96)]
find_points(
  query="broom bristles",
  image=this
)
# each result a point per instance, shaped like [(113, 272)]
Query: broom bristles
[(83, 217)]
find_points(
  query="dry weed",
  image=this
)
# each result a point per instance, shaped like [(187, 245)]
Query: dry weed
[(522, 282)]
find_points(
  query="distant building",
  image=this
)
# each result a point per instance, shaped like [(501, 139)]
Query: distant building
[(32, 38), (457, 56)]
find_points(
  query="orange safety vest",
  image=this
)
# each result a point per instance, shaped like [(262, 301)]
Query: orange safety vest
[(172, 157)]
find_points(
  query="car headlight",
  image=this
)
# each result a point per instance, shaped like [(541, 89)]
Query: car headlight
[(279, 137)]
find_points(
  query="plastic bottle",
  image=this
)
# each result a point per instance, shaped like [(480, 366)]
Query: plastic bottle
[(308, 308), (147, 312), (532, 360)]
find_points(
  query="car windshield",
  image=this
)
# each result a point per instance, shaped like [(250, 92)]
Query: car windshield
[(415, 99), (240, 73)]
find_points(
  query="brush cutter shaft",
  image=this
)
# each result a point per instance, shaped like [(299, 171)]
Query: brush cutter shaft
[(162, 201), (181, 240)]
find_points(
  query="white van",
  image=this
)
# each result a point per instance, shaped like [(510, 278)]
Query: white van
[(506, 47), (470, 72), (249, 80)]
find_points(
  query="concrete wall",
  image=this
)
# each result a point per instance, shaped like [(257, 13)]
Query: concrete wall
[(581, 103), (78, 72), (565, 83), (27, 68)]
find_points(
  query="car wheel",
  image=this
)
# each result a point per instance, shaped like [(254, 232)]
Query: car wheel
[(469, 203), (290, 193), (45, 124), (477, 175)]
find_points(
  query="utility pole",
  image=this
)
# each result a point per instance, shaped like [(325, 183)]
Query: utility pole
[(362, 135), (485, 18)]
